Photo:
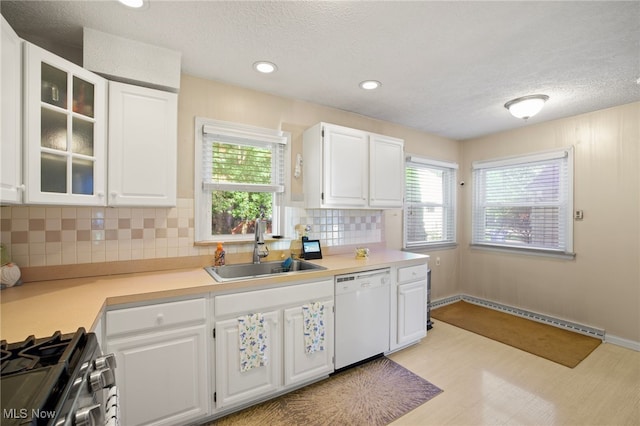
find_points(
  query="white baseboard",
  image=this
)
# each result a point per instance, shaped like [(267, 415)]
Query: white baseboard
[(625, 343), (545, 319)]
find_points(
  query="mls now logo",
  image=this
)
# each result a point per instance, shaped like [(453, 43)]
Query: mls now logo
[(23, 413)]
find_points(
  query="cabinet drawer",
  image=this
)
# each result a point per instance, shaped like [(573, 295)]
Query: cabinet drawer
[(412, 273), (261, 300), (155, 316)]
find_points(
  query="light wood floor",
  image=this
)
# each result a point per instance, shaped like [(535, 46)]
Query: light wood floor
[(489, 383)]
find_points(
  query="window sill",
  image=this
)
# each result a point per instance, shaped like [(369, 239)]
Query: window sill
[(237, 241), (431, 247), (524, 251)]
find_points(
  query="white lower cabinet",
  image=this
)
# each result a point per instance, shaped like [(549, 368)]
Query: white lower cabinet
[(409, 306), (412, 312), (299, 365), (234, 386), (288, 363), (162, 371)]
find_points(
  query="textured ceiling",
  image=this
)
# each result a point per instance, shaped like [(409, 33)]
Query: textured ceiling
[(447, 67)]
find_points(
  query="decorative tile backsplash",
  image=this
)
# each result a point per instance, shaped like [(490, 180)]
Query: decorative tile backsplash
[(41, 236), (341, 227)]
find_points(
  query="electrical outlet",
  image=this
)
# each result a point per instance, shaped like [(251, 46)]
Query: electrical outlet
[(578, 215), (437, 261)]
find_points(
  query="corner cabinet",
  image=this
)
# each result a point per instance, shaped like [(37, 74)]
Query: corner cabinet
[(143, 145), (65, 131), (11, 187), (352, 169)]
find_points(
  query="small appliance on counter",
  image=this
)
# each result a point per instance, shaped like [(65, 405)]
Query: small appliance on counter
[(61, 380)]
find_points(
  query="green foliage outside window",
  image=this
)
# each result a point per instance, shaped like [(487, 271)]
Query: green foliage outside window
[(234, 212)]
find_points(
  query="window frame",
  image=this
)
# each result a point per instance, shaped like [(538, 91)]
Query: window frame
[(229, 132), (450, 201), (565, 219)]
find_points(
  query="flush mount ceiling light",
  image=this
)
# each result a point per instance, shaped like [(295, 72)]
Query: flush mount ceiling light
[(526, 106), (370, 84), (136, 4), (265, 67)]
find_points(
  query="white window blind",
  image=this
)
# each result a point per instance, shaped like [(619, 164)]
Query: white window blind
[(525, 202), (429, 213), (234, 162), (240, 174)]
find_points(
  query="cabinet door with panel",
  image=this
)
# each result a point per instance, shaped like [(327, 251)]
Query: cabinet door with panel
[(11, 119), (345, 157), (301, 365), (65, 131), (142, 146), (234, 386), (409, 316), (162, 365), (386, 171), (162, 376)]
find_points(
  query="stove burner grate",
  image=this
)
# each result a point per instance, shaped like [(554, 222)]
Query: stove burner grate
[(35, 353)]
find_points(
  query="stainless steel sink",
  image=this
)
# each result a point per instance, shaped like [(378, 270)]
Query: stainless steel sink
[(243, 271)]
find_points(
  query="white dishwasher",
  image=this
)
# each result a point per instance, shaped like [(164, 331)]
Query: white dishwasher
[(362, 316)]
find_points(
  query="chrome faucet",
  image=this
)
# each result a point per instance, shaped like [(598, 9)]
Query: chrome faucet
[(260, 250)]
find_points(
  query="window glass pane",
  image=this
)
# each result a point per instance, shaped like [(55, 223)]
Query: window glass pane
[(241, 175), (523, 204), (234, 212), (526, 184), (429, 211)]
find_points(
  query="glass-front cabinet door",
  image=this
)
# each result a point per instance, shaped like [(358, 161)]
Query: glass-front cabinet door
[(65, 161)]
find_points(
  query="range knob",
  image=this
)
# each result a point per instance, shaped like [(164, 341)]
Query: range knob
[(89, 416), (101, 379), (106, 361)]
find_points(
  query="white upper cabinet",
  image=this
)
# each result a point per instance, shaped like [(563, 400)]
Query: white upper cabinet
[(386, 172), (65, 131), (143, 144), (352, 169), (345, 167), (11, 117)]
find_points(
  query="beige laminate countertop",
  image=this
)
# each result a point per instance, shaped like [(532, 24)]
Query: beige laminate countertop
[(41, 308)]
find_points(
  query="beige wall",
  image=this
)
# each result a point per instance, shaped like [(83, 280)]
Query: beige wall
[(199, 97), (601, 287)]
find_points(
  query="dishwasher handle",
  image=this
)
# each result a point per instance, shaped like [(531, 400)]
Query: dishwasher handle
[(372, 274)]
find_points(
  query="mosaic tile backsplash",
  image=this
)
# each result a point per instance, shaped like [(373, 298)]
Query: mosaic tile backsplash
[(42, 236)]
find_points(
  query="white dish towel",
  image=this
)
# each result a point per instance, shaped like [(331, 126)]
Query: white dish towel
[(314, 328), (253, 341)]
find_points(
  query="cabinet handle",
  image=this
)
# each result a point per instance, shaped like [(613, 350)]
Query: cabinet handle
[(21, 187), (100, 194), (160, 318), (113, 194)]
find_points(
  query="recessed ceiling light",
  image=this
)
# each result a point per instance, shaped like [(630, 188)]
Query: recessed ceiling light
[(370, 84), (132, 3), (265, 67)]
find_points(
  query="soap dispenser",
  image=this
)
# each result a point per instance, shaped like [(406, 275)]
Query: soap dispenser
[(218, 259)]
